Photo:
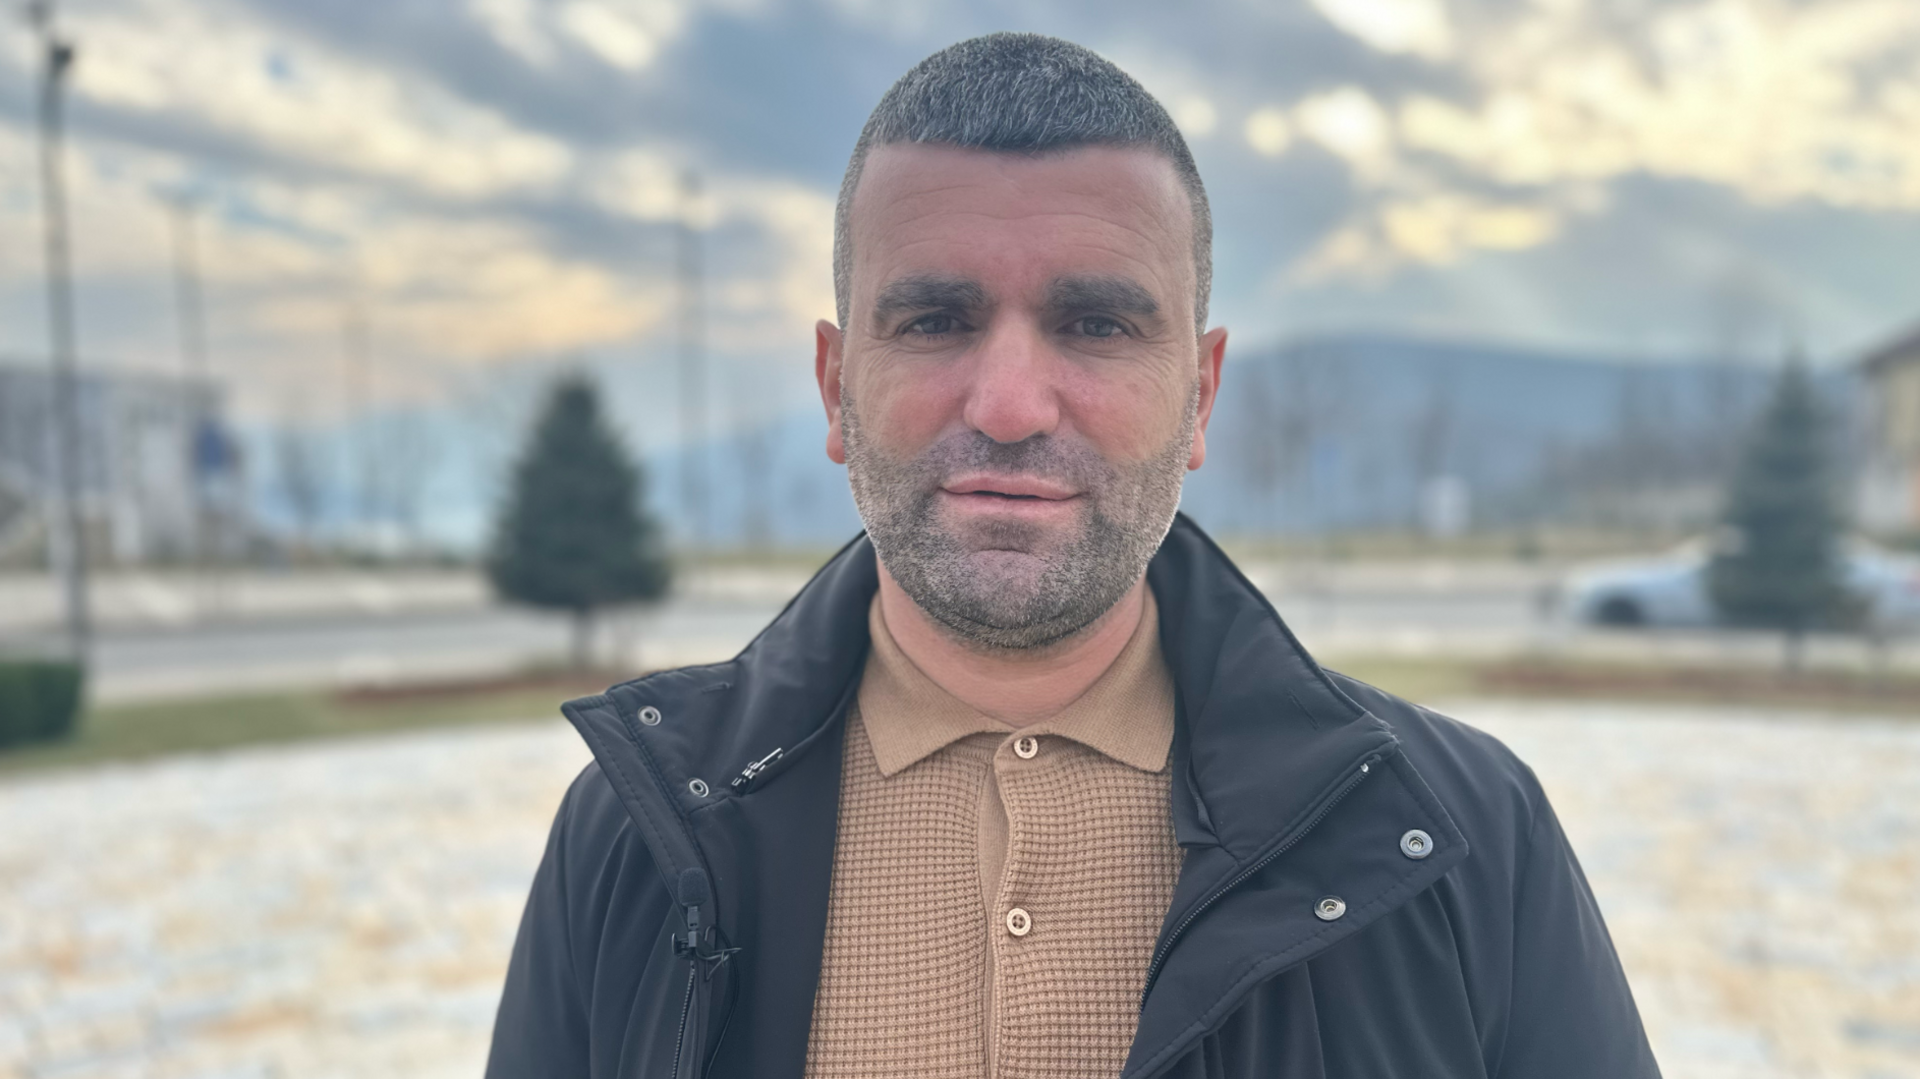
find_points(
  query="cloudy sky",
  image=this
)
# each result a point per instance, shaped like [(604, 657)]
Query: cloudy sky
[(491, 183)]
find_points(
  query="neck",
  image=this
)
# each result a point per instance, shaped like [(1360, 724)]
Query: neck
[(1014, 687)]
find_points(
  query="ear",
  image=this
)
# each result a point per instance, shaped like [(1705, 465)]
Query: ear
[(1213, 350), (826, 371)]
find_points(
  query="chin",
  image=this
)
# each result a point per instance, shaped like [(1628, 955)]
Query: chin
[(1018, 571), (1023, 539)]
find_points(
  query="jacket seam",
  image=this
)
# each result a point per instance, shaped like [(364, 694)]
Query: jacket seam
[(657, 841), (1319, 673), (660, 780), (561, 876), (1521, 866)]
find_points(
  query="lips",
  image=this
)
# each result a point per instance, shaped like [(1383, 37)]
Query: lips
[(1012, 488)]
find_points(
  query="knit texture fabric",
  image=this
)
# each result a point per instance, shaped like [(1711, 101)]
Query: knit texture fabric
[(941, 835)]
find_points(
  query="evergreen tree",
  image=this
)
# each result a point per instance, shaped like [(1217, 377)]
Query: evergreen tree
[(1779, 564), (573, 534)]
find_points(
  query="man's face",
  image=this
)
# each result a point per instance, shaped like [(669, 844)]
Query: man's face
[(1019, 389)]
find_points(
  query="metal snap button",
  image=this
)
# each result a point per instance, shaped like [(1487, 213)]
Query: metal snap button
[(1019, 922), (1329, 908), (1027, 747), (698, 787), (1416, 844), (650, 716)]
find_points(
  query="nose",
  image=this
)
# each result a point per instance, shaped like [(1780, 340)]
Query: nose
[(1011, 396)]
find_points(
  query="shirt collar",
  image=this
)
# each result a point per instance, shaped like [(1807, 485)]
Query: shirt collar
[(1127, 714)]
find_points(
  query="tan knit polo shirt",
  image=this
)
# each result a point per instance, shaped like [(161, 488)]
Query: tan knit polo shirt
[(995, 901)]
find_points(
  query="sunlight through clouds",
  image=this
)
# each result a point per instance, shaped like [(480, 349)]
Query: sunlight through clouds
[(625, 34), (622, 38), (1352, 125), (326, 112), (1774, 99), (1411, 26), (1195, 115), (497, 181), (1268, 131), (1765, 96)]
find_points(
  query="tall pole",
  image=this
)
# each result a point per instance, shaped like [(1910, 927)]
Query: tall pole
[(190, 321), (358, 399), (189, 305), (58, 58), (692, 348)]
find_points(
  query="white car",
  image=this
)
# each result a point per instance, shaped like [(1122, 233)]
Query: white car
[(1671, 589)]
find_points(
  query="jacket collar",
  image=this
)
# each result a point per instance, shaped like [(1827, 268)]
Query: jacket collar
[(1263, 728), (1261, 725)]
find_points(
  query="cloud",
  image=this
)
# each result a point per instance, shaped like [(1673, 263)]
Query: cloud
[(460, 236), (1268, 131), (1419, 27), (1774, 99), (627, 36), (1195, 115), (515, 25), (498, 180), (1348, 122), (306, 103)]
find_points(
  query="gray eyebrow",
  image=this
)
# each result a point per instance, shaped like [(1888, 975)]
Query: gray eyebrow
[(928, 292), (1083, 292)]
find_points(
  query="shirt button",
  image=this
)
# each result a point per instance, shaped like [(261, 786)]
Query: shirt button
[(1330, 908), (1027, 747), (1019, 922)]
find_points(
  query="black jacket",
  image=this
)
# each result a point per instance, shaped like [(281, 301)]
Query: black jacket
[(676, 923)]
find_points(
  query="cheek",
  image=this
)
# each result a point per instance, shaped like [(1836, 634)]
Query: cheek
[(1127, 414), (906, 405)]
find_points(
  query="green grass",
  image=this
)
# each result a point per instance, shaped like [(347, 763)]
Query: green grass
[(124, 732), (1559, 678), (1415, 679), (1489, 545)]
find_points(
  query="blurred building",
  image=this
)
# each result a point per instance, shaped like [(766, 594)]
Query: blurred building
[(158, 470), (1890, 489)]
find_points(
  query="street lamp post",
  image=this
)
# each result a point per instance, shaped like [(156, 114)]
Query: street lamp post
[(189, 305), (58, 58), (690, 278), (191, 322)]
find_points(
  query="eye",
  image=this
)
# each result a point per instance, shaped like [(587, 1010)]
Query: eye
[(933, 325), (1099, 326)]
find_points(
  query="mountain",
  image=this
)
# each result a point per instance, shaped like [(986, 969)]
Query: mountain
[(1344, 431), (1312, 434)]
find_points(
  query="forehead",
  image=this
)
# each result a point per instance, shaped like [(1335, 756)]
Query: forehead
[(922, 208)]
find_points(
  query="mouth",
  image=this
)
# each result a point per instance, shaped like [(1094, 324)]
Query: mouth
[(1009, 489)]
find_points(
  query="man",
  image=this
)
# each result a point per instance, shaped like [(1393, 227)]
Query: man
[(1029, 781)]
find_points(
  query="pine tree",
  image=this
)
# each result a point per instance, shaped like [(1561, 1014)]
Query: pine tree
[(1778, 566), (573, 534)]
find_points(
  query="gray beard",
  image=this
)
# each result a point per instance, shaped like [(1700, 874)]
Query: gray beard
[(1012, 586)]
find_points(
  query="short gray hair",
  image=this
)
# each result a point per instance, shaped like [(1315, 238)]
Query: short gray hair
[(1022, 94)]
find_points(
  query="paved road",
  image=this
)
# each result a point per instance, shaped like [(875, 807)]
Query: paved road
[(402, 647), (350, 629), (334, 628), (345, 909)]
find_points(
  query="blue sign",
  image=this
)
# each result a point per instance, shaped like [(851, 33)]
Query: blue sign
[(214, 452)]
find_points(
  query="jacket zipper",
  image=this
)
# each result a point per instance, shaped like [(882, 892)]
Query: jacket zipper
[(694, 891), (1326, 806), (686, 1013)]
